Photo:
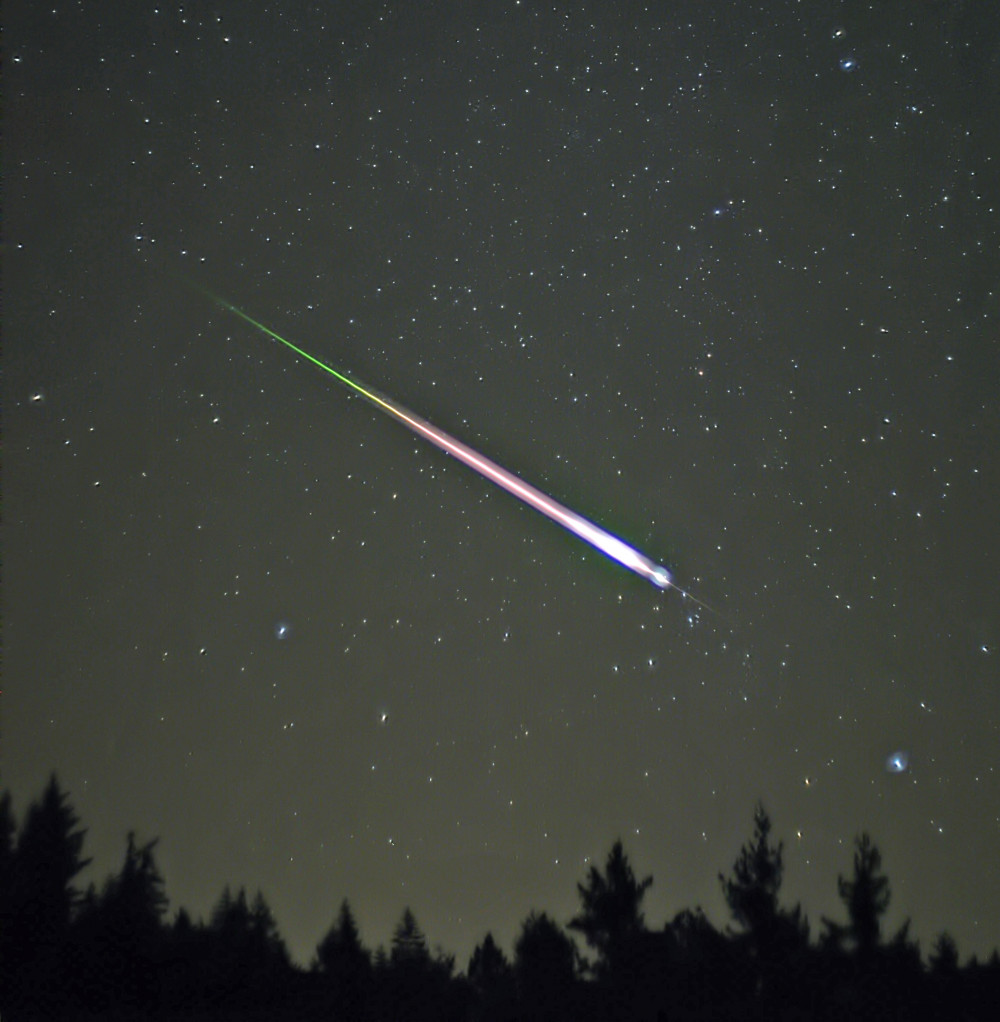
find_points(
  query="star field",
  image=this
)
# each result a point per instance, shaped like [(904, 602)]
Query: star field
[(721, 278)]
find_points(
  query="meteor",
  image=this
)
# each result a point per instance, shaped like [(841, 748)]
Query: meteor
[(602, 540)]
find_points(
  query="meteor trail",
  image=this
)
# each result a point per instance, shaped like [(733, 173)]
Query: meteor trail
[(597, 537)]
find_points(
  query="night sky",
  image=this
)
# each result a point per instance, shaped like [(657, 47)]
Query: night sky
[(722, 277)]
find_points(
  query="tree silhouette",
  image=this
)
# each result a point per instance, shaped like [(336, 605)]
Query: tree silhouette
[(982, 982), (188, 961), (41, 898), (703, 969), (944, 955), (946, 981), (487, 963), (345, 964), (342, 944), (119, 937), (48, 856), (109, 955), (752, 892), (136, 895), (8, 827), (249, 958), (492, 980), (883, 978), (610, 918), (409, 948), (545, 970), (769, 935), (415, 986), (866, 896)]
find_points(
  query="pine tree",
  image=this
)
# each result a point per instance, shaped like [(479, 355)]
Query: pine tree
[(545, 970), (415, 985), (487, 964), (48, 857), (342, 944), (251, 960), (866, 896), (492, 980), (752, 891), (345, 964), (944, 955), (769, 936), (8, 828), (119, 935), (136, 895), (408, 944), (41, 899), (611, 916)]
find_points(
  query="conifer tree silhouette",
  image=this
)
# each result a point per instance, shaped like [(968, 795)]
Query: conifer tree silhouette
[(545, 970), (488, 963), (8, 828), (49, 856), (610, 917), (345, 964), (250, 961), (752, 891), (866, 896), (342, 944), (119, 936), (136, 895), (944, 955), (703, 972), (409, 948), (41, 899), (769, 935), (415, 985), (109, 955), (492, 980)]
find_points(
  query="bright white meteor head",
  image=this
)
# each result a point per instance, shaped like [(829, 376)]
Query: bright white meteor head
[(660, 577)]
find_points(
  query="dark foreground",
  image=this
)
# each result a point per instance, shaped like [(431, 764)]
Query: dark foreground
[(112, 954)]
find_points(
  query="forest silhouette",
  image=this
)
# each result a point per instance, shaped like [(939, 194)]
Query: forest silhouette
[(111, 953)]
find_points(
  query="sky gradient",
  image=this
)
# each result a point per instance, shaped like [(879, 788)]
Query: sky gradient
[(722, 278)]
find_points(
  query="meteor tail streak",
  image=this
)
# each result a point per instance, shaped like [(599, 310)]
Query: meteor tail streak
[(597, 537)]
